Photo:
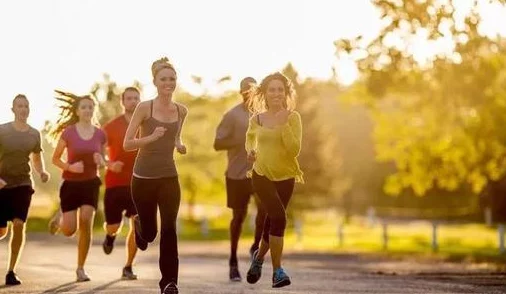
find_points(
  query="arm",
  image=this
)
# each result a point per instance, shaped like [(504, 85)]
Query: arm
[(38, 163), (57, 153), (131, 143), (99, 157), (291, 134), (184, 113), (224, 134), (180, 147)]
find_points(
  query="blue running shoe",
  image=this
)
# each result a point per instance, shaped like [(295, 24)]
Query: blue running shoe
[(280, 278)]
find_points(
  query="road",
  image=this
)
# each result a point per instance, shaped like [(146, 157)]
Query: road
[(48, 265)]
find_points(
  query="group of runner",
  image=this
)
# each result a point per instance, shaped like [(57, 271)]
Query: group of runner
[(262, 136)]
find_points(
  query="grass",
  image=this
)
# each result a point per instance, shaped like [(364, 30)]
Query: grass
[(457, 242)]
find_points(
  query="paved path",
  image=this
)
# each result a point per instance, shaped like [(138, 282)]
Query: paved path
[(48, 265)]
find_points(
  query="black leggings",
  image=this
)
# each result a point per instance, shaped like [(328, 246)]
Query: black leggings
[(165, 193), (274, 197)]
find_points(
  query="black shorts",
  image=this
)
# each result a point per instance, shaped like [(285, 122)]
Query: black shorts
[(14, 203), (74, 194), (238, 193), (117, 200)]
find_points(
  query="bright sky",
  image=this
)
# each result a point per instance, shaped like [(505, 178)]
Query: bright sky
[(70, 44)]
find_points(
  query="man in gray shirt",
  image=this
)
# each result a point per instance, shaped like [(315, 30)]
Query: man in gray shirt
[(18, 141), (231, 136)]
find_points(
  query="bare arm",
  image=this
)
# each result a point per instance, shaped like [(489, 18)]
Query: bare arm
[(57, 153), (224, 139), (184, 113), (131, 143), (39, 166), (38, 163)]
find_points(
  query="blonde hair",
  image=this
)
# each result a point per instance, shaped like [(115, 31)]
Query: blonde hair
[(160, 64), (69, 103), (257, 102)]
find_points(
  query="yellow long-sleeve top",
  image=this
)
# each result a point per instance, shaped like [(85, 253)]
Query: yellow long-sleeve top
[(276, 148)]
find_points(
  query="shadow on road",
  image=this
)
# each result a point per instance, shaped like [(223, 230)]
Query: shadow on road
[(61, 288), (101, 287)]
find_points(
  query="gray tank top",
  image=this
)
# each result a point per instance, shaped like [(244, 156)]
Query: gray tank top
[(156, 160)]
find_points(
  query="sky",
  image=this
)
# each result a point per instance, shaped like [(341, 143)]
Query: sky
[(70, 44)]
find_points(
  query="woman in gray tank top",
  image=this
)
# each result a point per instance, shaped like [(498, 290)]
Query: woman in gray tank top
[(155, 180)]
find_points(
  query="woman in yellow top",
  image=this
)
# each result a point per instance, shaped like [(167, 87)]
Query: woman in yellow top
[(273, 142)]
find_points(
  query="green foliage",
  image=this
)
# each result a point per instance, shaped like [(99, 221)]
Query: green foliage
[(438, 117)]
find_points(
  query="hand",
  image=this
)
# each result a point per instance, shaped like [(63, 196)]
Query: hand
[(158, 133), (282, 116), (116, 167), (76, 167), (44, 176), (252, 156), (98, 159), (181, 148), (2, 183)]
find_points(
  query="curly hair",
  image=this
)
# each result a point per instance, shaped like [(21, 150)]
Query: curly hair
[(257, 103), (160, 64), (69, 104)]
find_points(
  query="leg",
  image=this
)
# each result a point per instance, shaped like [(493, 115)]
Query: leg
[(144, 196), (169, 198), (235, 232), (238, 195), (266, 191), (70, 194), (16, 242), (5, 208), (130, 244), (112, 229), (68, 223), (284, 190), (113, 210), (21, 199), (259, 224), (86, 216)]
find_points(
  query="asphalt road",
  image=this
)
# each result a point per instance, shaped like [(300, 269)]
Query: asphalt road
[(48, 266)]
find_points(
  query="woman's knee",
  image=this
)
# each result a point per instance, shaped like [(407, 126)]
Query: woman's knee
[(278, 226)]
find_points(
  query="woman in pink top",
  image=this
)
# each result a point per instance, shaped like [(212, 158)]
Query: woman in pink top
[(84, 142)]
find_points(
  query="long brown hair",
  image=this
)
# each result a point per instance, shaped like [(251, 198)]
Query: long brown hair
[(68, 104), (257, 102)]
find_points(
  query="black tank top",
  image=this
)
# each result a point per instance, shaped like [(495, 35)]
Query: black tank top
[(156, 160)]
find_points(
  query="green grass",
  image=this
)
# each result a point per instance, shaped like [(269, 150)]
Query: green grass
[(457, 242)]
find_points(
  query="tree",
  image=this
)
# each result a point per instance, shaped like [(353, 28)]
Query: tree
[(108, 94), (438, 117), (320, 157)]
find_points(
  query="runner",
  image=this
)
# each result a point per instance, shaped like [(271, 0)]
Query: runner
[(231, 136), (273, 142), (76, 132), (118, 197), (155, 181), (18, 141)]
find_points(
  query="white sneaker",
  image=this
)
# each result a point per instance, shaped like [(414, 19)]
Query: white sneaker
[(81, 275)]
